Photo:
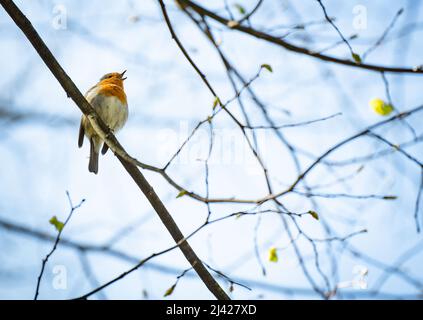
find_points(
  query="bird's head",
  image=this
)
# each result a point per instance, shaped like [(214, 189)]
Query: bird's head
[(114, 76)]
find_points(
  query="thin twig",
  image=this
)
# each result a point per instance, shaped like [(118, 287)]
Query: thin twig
[(56, 242)]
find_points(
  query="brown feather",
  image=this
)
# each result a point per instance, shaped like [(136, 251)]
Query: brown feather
[(81, 135), (93, 164), (104, 149)]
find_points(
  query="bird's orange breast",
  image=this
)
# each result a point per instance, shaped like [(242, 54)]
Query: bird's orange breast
[(112, 88)]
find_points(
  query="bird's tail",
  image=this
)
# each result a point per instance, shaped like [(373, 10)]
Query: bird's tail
[(93, 164)]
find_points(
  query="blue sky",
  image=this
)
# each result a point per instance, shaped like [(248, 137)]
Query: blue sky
[(41, 160)]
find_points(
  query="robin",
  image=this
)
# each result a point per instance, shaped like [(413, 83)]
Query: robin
[(108, 98)]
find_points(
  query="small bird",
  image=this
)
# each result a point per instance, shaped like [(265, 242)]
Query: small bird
[(108, 98)]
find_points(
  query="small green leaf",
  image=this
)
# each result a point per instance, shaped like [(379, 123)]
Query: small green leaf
[(169, 291), (216, 102), (356, 58), (209, 119), (390, 197), (181, 193), (381, 107), (56, 223), (314, 214), (273, 254), (240, 8), (267, 67)]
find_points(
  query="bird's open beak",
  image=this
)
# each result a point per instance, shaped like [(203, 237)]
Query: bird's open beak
[(121, 75)]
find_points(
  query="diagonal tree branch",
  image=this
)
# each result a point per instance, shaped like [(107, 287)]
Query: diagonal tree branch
[(73, 92)]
